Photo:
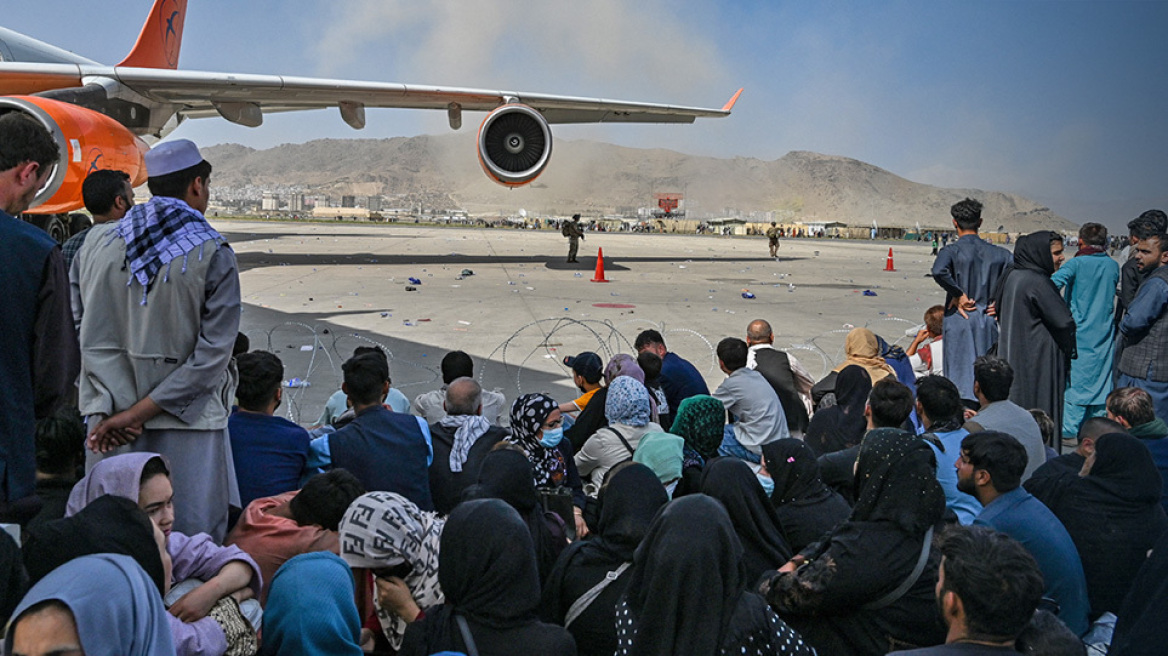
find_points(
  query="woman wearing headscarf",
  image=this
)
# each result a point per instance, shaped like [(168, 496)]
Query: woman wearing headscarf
[(629, 500), (688, 595), (626, 408), (1141, 630), (97, 604), (701, 422), (537, 429), (664, 453), (807, 508), (204, 573), (732, 482), (491, 581), (862, 349), (1112, 511), (842, 425), (867, 588), (387, 534), (311, 609), (1036, 332), (506, 475)]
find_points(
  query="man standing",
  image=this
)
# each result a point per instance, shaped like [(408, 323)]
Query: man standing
[(38, 364), (772, 234), (574, 234), (753, 405), (1144, 363), (156, 300), (994, 378), (790, 381), (108, 196), (679, 378), (967, 270), (989, 467), (1089, 281)]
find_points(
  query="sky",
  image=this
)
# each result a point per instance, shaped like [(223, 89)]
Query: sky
[(1064, 102)]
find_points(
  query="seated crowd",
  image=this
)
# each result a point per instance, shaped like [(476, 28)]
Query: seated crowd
[(727, 533)]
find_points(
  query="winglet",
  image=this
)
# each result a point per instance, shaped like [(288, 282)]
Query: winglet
[(730, 105), (161, 37)]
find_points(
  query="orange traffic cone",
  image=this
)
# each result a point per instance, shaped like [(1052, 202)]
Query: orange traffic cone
[(599, 276), (889, 266)]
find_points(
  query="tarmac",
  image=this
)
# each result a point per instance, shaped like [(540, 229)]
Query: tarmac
[(312, 292)]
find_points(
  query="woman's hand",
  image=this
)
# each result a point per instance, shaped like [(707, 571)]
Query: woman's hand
[(394, 595)]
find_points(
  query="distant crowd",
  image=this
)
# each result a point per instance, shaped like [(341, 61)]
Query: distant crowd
[(999, 486)]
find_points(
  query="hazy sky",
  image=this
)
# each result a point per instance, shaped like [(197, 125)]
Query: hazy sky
[(1063, 102)]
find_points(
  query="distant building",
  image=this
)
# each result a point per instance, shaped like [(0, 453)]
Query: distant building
[(348, 201), (373, 203), (270, 202), (296, 203)]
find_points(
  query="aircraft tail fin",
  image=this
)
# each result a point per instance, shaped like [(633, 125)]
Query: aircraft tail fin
[(161, 37)]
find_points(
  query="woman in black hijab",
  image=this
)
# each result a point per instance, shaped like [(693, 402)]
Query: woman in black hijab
[(487, 570), (843, 424), (109, 524), (1141, 630), (630, 498), (506, 474), (1112, 511), (732, 482), (868, 587), (688, 596), (1036, 332), (807, 509)]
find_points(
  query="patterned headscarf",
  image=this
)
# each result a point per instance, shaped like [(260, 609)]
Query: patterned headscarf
[(627, 402), (383, 529), (701, 420), (528, 413), (160, 231)]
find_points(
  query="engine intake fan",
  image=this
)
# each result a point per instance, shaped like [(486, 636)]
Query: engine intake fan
[(515, 144)]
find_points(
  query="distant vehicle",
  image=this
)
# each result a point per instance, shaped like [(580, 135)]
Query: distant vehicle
[(100, 115)]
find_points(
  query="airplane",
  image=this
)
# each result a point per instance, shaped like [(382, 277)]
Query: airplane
[(104, 116)]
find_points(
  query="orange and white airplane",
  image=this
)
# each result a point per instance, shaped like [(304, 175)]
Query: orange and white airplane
[(101, 115)]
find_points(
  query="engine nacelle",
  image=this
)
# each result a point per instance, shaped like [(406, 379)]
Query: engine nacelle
[(515, 144), (88, 141)]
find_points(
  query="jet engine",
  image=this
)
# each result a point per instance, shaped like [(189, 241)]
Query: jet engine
[(515, 144), (87, 140)]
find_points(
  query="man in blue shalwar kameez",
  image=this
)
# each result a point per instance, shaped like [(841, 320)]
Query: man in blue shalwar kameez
[(1089, 281), (967, 270)]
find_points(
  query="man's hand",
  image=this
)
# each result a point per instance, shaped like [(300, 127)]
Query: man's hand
[(969, 413), (992, 310), (194, 605), (581, 525), (792, 564), (964, 305), (394, 595), (123, 427)]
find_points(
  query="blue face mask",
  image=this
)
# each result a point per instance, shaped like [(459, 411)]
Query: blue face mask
[(552, 436), (768, 484)]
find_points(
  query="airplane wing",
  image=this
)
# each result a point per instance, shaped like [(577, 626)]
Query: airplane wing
[(203, 94)]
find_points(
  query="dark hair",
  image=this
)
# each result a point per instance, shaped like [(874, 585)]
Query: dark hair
[(60, 442), (939, 398), (1046, 425), (1000, 455), (365, 377), (1046, 635), (1133, 404), (1154, 221), (994, 376), (1096, 427), (997, 580), (260, 375), (732, 352), (23, 139), (153, 467), (891, 403), (101, 188), (935, 319), (648, 338), (650, 363), (377, 351), (1160, 239), (242, 345), (967, 214), (175, 185), (324, 499), (1093, 234), (456, 364)]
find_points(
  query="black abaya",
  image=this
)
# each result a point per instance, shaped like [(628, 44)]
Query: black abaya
[(807, 508), (1036, 329), (843, 424), (487, 570), (732, 482)]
